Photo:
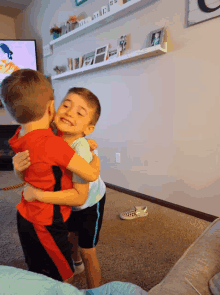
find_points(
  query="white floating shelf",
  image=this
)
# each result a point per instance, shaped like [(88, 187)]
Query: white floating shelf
[(123, 10), (135, 55)]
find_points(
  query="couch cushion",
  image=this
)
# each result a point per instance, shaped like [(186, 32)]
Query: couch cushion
[(214, 284), (198, 264)]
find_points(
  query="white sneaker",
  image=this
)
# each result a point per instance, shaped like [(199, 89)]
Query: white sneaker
[(137, 211), (79, 267)]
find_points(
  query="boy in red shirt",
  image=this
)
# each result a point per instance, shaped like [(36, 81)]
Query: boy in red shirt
[(28, 97)]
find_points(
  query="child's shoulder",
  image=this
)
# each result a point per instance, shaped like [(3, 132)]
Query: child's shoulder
[(82, 148), (81, 143)]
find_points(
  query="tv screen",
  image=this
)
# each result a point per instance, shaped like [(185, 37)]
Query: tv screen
[(16, 54)]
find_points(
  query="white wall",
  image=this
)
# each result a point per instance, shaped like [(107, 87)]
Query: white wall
[(7, 31), (161, 113)]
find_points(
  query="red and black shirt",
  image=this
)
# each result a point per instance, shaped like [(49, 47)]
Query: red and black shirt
[(50, 155)]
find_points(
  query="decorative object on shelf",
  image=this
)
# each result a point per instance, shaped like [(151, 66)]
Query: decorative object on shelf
[(88, 58), (78, 62), (113, 4), (59, 70), (96, 14), (81, 22), (120, 2), (101, 54), (113, 53), (122, 44), (72, 21), (79, 2), (198, 11), (156, 37), (64, 28), (55, 31), (88, 19), (70, 64), (104, 9)]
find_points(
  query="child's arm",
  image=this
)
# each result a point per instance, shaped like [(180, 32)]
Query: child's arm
[(77, 164), (87, 171), (72, 197)]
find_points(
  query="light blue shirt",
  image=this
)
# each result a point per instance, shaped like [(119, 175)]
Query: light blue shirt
[(97, 188)]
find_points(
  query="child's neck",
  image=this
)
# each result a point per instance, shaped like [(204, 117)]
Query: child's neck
[(26, 128)]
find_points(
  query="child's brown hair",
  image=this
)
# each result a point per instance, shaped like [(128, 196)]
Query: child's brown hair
[(91, 99), (25, 94)]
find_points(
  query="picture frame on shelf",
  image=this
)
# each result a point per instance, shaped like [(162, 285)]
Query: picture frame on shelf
[(79, 2), (70, 64), (101, 54), (113, 53), (88, 19), (122, 44), (156, 37), (113, 4), (104, 10), (78, 62), (88, 59), (81, 22), (96, 15)]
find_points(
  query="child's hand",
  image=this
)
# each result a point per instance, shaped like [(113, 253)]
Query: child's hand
[(21, 161), (31, 193), (93, 145)]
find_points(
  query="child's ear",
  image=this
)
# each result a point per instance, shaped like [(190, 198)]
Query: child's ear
[(51, 108), (89, 129)]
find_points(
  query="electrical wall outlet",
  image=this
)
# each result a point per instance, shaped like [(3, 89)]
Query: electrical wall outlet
[(118, 158)]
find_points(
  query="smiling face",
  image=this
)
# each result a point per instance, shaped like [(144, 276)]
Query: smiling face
[(73, 118)]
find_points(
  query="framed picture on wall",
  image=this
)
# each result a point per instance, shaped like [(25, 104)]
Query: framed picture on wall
[(78, 62), (122, 42), (156, 37), (96, 14), (101, 54), (88, 59), (113, 53), (79, 2)]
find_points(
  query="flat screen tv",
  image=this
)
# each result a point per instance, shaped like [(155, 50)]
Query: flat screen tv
[(16, 54)]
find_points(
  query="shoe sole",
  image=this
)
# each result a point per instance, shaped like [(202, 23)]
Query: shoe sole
[(125, 218)]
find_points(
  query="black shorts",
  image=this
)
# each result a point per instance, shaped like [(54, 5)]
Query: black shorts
[(87, 224), (46, 248)]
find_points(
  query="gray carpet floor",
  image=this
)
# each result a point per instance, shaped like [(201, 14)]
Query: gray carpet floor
[(139, 251)]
